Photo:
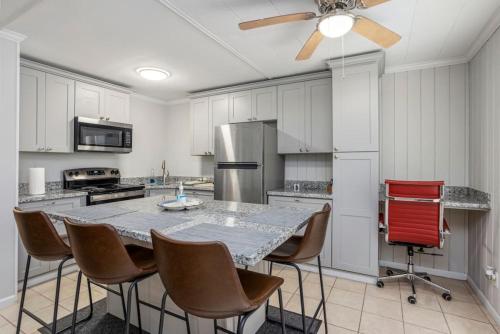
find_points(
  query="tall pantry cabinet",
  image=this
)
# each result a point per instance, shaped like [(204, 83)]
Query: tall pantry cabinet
[(355, 163)]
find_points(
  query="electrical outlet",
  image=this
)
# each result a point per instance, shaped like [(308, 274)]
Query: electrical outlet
[(491, 274), (296, 187)]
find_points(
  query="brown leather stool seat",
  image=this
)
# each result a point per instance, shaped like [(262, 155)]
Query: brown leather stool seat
[(201, 279), (42, 242), (302, 249), (104, 259)]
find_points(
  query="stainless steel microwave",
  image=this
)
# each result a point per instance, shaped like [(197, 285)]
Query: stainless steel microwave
[(96, 135)]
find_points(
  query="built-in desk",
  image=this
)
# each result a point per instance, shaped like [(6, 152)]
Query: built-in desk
[(458, 198)]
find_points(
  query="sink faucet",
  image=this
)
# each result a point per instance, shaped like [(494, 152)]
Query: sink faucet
[(165, 173)]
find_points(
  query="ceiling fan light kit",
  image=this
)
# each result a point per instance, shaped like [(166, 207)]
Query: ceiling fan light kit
[(335, 20), (336, 24)]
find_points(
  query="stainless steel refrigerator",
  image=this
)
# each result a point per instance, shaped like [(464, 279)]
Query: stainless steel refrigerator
[(247, 163)]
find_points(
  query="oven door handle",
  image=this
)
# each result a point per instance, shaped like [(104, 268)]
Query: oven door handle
[(111, 196)]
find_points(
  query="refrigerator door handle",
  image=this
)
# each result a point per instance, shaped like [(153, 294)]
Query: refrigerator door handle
[(238, 165)]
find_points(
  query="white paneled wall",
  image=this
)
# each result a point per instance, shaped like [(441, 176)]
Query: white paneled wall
[(424, 126), (484, 165), (308, 167)]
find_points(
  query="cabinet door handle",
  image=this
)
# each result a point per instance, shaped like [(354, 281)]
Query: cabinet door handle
[(336, 149), (297, 200), (40, 149), (250, 119), (300, 150), (307, 150), (48, 149), (255, 118), (107, 118), (101, 118), (336, 156)]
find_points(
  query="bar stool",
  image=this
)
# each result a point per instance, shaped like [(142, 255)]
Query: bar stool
[(202, 280), (302, 249), (43, 243), (104, 259)]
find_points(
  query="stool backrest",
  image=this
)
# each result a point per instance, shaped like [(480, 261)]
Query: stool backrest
[(100, 253), (39, 236), (200, 277), (314, 236), (414, 212)]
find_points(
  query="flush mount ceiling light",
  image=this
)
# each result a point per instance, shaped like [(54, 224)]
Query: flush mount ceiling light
[(336, 24), (153, 73)]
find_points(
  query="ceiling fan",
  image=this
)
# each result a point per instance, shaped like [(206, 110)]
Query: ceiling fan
[(335, 20)]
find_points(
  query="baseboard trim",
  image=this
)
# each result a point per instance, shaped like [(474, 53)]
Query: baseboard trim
[(432, 271), (340, 273), (7, 301), (491, 310)]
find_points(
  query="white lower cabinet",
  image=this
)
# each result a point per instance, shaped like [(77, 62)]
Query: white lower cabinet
[(42, 267), (355, 212), (316, 204), (159, 192), (207, 195)]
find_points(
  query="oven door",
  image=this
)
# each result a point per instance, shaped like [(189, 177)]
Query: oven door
[(97, 135)]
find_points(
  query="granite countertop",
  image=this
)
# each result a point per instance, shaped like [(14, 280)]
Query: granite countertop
[(319, 194), (463, 198), (50, 195), (201, 187), (250, 231)]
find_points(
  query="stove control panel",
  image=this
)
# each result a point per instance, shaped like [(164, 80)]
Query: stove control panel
[(83, 174)]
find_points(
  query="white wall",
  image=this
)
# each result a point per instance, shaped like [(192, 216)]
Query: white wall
[(9, 67), (484, 165), (424, 136), (178, 132), (150, 148)]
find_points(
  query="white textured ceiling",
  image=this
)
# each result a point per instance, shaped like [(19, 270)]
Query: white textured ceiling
[(200, 43)]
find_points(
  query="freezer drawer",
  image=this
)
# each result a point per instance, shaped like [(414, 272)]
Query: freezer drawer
[(239, 183)]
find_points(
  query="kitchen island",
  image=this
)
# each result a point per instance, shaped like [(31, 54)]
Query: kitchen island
[(250, 231)]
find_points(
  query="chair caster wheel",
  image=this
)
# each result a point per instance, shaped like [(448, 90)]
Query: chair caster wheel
[(427, 278), (389, 272), (446, 296), (412, 300), (380, 284)]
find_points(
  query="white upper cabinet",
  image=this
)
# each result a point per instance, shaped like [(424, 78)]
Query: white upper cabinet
[(291, 104), (116, 106), (318, 116), (199, 126), (218, 107), (32, 110), (253, 105), (46, 113), (89, 100), (264, 104), (97, 102), (355, 108), (59, 113), (240, 107), (305, 117)]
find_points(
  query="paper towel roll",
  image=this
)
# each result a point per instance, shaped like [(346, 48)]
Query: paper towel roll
[(37, 181)]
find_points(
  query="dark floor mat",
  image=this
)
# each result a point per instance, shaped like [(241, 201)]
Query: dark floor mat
[(105, 323)]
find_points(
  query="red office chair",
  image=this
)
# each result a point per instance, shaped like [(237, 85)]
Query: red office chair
[(414, 218)]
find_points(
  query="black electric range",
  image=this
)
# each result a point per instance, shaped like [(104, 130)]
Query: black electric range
[(101, 184)]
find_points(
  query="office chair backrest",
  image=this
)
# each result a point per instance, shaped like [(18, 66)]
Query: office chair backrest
[(414, 212)]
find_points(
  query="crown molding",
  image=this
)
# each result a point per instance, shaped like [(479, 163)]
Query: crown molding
[(426, 65), (377, 57), (72, 75), (212, 36), (12, 35), (491, 27)]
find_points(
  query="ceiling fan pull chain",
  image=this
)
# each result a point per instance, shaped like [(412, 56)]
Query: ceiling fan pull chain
[(343, 58)]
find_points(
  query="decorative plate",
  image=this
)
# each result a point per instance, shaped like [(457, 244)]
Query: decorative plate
[(174, 205)]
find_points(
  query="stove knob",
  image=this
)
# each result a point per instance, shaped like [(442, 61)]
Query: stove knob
[(77, 173), (116, 172), (70, 174)]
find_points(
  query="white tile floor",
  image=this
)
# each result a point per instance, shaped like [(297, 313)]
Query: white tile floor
[(352, 307)]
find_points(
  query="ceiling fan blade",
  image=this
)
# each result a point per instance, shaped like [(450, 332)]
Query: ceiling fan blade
[(375, 32), (371, 3), (277, 20), (310, 46)]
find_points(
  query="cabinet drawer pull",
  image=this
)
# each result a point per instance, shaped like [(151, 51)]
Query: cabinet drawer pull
[(336, 156), (107, 118), (336, 149), (301, 150)]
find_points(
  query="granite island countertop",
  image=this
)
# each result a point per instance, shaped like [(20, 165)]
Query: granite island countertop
[(50, 196), (317, 194), (250, 231), (462, 198)]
